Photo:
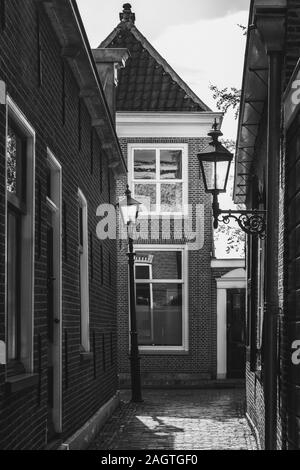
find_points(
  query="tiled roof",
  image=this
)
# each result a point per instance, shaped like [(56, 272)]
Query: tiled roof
[(148, 83)]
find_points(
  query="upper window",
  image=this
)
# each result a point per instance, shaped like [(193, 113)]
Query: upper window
[(20, 140), (16, 159), (157, 178), (16, 162)]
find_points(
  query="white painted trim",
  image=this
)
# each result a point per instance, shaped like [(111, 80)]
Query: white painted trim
[(228, 263), (28, 249), (84, 273), (185, 319), (228, 283), (184, 180), (164, 124), (51, 205), (223, 284), (56, 208)]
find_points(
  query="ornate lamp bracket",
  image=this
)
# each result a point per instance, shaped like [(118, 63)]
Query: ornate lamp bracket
[(252, 222)]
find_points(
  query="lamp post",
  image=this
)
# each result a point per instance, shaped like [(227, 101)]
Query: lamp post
[(129, 209), (215, 163)]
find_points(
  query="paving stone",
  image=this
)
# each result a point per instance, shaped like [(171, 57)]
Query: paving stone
[(179, 420)]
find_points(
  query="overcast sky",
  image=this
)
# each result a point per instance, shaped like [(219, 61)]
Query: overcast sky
[(199, 38)]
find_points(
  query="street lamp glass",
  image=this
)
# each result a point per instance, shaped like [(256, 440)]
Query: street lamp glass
[(129, 209), (215, 173), (215, 163)]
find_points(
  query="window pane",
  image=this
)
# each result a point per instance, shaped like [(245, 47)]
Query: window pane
[(165, 264), (167, 314), (144, 314), (15, 154), (80, 226), (142, 272), (11, 153), (221, 175), (146, 195), (171, 197), (144, 164), (170, 164), (159, 324), (12, 284)]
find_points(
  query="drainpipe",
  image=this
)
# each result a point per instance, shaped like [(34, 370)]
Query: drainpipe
[(271, 27)]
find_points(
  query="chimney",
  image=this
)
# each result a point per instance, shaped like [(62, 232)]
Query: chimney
[(108, 62), (127, 16)]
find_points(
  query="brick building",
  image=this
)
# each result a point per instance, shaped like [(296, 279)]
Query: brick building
[(267, 177), (162, 125), (59, 159)]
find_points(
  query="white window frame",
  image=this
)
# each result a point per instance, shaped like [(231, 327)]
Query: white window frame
[(28, 239), (184, 348), (84, 276), (184, 180), (55, 206)]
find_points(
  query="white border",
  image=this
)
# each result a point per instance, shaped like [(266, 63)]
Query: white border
[(185, 316)]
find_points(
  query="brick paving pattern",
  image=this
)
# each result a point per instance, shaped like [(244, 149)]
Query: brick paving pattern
[(179, 420)]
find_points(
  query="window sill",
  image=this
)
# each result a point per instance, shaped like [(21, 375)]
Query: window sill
[(165, 352), (20, 382), (86, 356)]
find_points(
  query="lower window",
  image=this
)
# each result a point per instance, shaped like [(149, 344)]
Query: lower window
[(13, 284), (160, 299)]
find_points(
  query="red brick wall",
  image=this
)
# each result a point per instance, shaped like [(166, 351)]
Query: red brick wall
[(86, 385)]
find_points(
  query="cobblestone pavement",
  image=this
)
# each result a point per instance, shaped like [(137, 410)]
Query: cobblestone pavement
[(179, 420)]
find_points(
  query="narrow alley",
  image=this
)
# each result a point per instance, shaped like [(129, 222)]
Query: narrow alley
[(179, 420), (149, 227)]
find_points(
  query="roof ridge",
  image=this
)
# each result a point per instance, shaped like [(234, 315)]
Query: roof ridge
[(157, 57)]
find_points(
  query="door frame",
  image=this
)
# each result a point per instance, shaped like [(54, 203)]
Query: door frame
[(232, 354), (235, 279), (56, 171)]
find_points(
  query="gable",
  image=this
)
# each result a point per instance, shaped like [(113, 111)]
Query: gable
[(148, 83)]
